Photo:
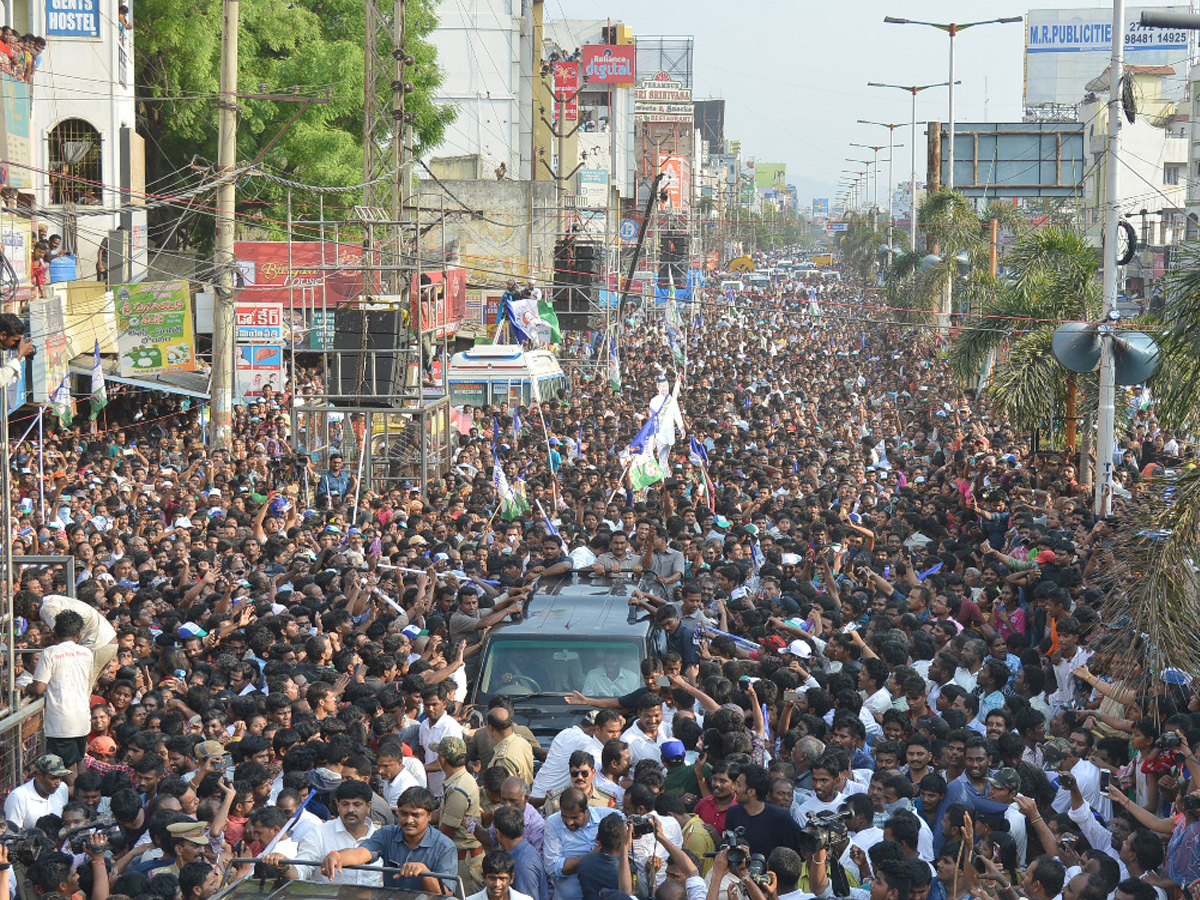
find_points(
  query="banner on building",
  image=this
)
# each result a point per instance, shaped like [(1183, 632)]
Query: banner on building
[(17, 145), (73, 18), (154, 328), (609, 64), (593, 189), (820, 206), (259, 368), (315, 274)]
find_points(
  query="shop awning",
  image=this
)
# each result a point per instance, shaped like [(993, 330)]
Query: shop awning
[(186, 384)]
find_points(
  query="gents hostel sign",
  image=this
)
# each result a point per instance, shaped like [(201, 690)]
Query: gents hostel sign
[(73, 18)]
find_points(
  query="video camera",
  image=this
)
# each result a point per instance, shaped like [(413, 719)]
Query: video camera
[(27, 846), (823, 829), (79, 836), (755, 863)]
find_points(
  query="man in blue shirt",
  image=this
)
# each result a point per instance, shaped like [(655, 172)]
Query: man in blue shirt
[(412, 846), (570, 836), (336, 483), (529, 874)]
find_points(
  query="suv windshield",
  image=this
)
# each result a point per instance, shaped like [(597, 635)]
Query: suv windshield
[(520, 666)]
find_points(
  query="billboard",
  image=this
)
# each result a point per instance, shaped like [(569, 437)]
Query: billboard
[(259, 367), (48, 332), (154, 328), (1067, 48), (565, 77), (439, 301), (662, 99), (73, 18), (609, 64), (678, 183), (820, 206), (17, 145), (770, 176), (332, 270), (593, 189)]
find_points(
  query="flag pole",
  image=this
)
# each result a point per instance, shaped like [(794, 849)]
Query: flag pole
[(41, 463)]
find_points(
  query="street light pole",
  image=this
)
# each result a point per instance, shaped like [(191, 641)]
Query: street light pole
[(912, 89), (892, 147), (952, 29)]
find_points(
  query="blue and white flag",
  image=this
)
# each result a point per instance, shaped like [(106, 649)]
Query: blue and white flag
[(516, 423), (697, 454), (643, 437)]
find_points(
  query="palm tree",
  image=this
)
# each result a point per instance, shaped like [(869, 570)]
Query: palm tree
[(1056, 280)]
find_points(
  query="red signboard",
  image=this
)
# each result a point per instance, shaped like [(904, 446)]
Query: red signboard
[(439, 301), (323, 275), (609, 64), (566, 88)]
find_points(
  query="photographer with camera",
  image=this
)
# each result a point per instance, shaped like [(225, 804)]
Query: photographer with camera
[(649, 852), (14, 336)]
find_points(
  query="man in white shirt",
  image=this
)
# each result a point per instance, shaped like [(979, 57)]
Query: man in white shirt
[(353, 824), (64, 676), (1003, 787), (647, 733), (43, 795), (438, 724), (98, 634), (591, 735), (872, 684), (826, 796), (394, 779), (498, 870)]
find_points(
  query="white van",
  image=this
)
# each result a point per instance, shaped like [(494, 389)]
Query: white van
[(494, 373)]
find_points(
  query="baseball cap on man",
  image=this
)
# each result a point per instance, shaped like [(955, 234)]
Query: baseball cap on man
[(1054, 751), (673, 750), (452, 749), (102, 744), (51, 764), (1006, 779), (205, 749)]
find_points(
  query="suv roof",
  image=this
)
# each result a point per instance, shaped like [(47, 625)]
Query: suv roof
[(581, 605)]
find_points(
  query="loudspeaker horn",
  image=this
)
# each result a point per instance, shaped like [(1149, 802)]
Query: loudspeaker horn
[(1135, 357), (1076, 345)]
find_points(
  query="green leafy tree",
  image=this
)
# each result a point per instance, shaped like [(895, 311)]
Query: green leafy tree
[(306, 48)]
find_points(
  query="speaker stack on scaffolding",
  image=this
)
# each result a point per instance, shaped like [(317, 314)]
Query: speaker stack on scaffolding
[(578, 267)]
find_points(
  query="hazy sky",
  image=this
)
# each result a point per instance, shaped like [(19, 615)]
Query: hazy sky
[(794, 73)]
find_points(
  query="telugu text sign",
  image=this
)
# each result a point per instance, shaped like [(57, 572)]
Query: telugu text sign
[(154, 328), (258, 323)]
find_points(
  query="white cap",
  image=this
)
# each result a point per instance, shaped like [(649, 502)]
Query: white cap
[(799, 648)]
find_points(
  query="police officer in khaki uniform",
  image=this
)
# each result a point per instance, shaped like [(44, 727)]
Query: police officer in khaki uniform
[(509, 750), (582, 768), (460, 811)]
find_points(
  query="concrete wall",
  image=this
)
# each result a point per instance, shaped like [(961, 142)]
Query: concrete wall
[(489, 230)]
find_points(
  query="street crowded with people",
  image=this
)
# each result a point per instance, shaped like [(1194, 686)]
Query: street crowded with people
[(881, 659)]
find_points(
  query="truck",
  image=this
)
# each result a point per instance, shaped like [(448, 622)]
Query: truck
[(497, 373)]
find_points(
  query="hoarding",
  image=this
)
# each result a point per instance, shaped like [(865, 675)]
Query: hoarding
[(439, 301), (259, 368), (678, 183), (258, 323), (609, 64), (48, 332), (565, 79), (154, 328), (1067, 48), (73, 18), (319, 274), (593, 189), (768, 176), (17, 145), (820, 206), (661, 99)]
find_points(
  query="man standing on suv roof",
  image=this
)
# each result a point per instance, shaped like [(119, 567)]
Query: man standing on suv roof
[(665, 564), (555, 560)]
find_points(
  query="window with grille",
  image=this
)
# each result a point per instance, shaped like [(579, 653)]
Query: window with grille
[(75, 172), (1171, 175)]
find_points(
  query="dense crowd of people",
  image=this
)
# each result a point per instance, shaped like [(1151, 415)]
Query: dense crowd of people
[(887, 671)]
